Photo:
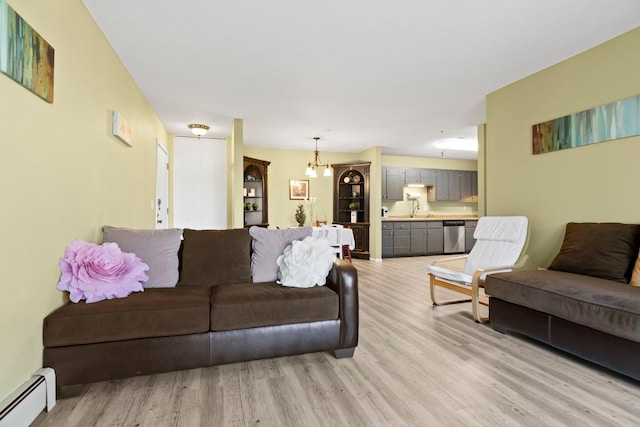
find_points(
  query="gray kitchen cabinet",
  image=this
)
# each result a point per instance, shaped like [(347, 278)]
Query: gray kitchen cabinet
[(474, 186), (435, 238), (454, 185), (401, 238), (419, 238), (447, 186), (428, 177), (412, 238), (420, 176), (387, 239), (469, 229), (392, 182), (412, 176), (468, 186)]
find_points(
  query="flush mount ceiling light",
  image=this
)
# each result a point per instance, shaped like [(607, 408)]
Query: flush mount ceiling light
[(198, 130), (459, 144), (312, 166)]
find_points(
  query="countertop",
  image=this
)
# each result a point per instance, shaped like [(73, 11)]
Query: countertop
[(432, 218)]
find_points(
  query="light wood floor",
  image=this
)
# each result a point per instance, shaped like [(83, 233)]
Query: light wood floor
[(416, 365)]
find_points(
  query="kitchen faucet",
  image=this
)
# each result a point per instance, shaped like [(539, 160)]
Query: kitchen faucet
[(415, 207)]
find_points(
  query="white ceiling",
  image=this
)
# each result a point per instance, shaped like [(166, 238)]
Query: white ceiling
[(400, 74)]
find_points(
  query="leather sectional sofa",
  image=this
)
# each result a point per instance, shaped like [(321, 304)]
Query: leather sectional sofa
[(215, 315), (587, 303)]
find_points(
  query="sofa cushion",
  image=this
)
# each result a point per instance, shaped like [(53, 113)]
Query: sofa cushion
[(156, 312), (212, 257), (605, 305), (157, 248), (605, 250), (252, 305), (268, 245)]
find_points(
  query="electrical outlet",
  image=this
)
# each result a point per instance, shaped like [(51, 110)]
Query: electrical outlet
[(425, 208)]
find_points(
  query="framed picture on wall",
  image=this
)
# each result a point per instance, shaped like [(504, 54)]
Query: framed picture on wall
[(298, 189)]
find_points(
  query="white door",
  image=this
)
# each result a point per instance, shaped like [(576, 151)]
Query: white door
[(162, 187), (199, 183)]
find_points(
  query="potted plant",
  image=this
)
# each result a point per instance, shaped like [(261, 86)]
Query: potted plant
[(352, 206), (300, 215), (247, 206), (255, 206)]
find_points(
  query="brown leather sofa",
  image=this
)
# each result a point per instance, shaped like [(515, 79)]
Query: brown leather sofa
[(214, 316), (583, 304)]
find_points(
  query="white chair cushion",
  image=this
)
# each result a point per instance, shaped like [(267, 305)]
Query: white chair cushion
[(449, 274), (499, 242)]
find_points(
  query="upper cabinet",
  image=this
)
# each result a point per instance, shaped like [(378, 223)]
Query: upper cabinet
[(392, 183), (468, 186), (445, 185), (420, 176), (256, 192)]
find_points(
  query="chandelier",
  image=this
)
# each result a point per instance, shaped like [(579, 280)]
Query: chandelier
[(312, 166)]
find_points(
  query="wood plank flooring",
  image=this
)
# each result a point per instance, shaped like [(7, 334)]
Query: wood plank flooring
[(416, 365)]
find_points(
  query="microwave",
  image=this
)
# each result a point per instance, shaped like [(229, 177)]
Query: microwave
[(384, 212)]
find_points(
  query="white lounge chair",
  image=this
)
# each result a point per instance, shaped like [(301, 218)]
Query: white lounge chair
[(500, 246)]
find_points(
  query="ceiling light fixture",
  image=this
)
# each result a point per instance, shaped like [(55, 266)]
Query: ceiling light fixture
[(198, 130), (312, 166), (460, 144)]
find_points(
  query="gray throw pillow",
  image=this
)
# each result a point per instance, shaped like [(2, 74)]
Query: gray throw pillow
[(267, 246), (157, 248)]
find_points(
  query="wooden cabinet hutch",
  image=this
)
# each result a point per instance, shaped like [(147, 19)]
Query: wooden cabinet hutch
[(351, 202), (256, 206)]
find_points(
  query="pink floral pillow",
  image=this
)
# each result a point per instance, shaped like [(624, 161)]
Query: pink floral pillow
[(96, 272)]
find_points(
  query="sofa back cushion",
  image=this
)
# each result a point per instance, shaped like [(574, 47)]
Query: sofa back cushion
[(157, 248), (604, 250), (268, 245), (212, 257)]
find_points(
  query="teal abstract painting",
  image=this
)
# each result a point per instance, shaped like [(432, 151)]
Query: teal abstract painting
[(619, 119), (25, 56)]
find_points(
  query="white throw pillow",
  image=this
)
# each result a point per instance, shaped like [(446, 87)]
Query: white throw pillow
[(268, 245), (306, 263)]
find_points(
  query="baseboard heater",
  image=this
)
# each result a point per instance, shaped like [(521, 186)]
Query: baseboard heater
[(25, 404)]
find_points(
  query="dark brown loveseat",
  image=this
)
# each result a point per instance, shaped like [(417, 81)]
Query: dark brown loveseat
[(583, 303), (215, 315)]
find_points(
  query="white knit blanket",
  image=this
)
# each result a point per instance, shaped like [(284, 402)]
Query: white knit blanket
[(305, 263)]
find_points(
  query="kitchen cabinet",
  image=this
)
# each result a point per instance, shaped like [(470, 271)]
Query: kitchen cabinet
[(392, 182), (401, 238), (435, 238), (454, 186), (447, 186), (468, 186), (387, 240), (469, 229), (420, 176), (412, 238), (418, 237)]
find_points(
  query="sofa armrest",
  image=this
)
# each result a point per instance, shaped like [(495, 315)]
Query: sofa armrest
[(343, 280)]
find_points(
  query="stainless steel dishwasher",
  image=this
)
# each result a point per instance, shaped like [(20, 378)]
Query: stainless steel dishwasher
[(454, 236)]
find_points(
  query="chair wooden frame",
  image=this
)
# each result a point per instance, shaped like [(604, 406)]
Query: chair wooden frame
[(472, 290)]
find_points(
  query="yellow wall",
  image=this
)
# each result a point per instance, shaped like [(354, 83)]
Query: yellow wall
[(592, 183), (63, 174)]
